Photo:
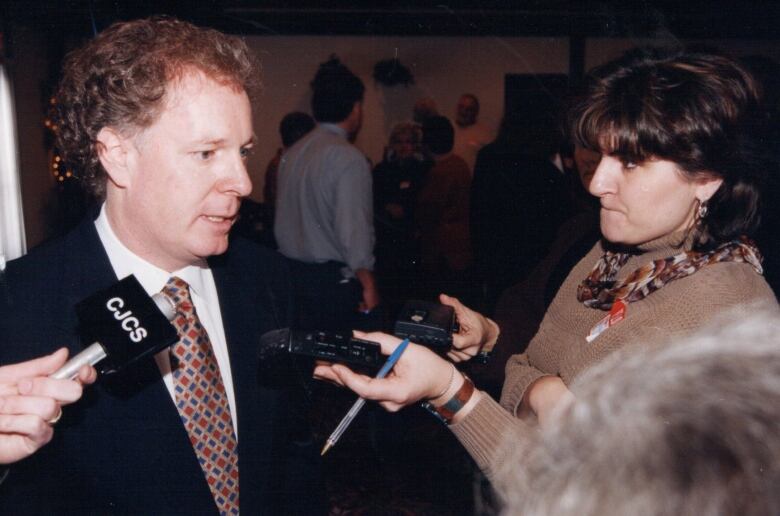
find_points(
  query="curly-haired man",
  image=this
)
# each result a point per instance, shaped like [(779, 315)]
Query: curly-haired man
[(155, 116)]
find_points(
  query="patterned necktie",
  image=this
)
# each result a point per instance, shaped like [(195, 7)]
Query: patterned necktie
[(202, 401)]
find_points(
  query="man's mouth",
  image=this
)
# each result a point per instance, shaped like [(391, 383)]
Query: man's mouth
[(219, 219)]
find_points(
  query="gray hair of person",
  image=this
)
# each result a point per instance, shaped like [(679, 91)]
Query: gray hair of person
[(687, 428)]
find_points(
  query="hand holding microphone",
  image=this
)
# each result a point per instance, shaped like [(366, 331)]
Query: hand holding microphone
[(31, 402), (123, 324)]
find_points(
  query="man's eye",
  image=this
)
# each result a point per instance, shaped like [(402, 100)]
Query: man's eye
[(246, 152), (206, 155)]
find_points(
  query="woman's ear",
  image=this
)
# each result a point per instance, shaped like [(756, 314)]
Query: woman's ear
[(706, 188), (112, 150)]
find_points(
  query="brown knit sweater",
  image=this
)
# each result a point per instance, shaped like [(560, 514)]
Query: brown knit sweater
[(559, 347)]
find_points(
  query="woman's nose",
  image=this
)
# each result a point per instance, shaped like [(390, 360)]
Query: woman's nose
[(603, 181)]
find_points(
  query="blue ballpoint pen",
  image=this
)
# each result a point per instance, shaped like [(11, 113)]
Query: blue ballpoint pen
[(347, 420)]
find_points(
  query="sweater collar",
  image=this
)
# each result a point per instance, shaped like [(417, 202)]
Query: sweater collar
[(673, 243), (661, 247)]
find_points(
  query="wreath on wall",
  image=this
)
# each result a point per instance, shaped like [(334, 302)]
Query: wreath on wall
[(390, 72)]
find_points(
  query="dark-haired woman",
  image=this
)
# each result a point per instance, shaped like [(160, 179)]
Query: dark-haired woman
[(679, 184)]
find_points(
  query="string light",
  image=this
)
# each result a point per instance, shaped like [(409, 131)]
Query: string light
[(59, 169)]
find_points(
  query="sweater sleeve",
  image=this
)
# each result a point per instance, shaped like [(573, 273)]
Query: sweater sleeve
[(520, 374), (546, 352), (484, 430)]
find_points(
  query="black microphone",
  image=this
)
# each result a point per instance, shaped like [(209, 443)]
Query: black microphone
[(123, 325)]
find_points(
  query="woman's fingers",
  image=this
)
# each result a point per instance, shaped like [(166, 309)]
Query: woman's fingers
[(87, 375), (459, 356), (454, 302), (37, 367), (325, 372), (21, 436), (65, 391), (26, 425), (44, 408)]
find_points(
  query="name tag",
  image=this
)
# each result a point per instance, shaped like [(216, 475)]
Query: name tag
[(615, 315)]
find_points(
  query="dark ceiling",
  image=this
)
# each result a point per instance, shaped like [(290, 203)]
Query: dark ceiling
[(605, 18)]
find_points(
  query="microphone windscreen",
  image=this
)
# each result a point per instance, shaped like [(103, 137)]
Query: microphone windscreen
[(126, 322)]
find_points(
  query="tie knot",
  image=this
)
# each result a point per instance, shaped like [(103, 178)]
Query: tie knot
[(179, 292)]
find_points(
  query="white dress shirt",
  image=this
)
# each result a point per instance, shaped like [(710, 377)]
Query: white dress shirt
[(204, 296)]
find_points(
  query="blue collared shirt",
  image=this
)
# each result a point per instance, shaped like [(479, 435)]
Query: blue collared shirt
[(324, 208)]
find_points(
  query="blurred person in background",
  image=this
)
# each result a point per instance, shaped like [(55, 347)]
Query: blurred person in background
[(324, 208), (442, 212), (470, 134), (292, 128), (397, 181)]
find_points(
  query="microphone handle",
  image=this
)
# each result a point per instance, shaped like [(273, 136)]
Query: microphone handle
[(91, 355)]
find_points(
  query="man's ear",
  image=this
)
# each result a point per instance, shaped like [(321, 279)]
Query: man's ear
[(112, 150), (706, 188)]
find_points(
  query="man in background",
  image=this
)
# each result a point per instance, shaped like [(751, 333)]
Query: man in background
[(324, 207), (442, 215), (470, 134), (292, 128)]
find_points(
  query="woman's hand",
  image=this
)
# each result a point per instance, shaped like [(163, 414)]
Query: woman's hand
[(30, 403), (545, 395), (418, 374), (476, 330)]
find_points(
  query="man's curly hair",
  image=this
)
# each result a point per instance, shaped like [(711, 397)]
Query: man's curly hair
[(120, 80)]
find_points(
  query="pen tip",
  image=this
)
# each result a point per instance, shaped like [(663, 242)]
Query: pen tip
[(325, 449)]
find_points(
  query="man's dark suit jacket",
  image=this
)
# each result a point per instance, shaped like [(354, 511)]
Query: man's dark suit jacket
[(122, 448)]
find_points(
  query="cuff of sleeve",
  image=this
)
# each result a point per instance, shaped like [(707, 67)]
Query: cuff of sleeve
[(488, 346), (483, 431), (513, 397)]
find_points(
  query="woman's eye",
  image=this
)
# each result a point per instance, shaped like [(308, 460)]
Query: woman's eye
[(629, 165), (205, 155), (245, 152)]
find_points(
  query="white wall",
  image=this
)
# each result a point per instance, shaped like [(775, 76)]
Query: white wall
[(443, 68), (28, 71)]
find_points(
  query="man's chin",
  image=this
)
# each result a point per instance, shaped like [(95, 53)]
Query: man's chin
[(215, 247)]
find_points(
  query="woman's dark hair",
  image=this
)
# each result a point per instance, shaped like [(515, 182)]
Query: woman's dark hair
[(120, 79), (335, 89), (438, 134), (698, 110)]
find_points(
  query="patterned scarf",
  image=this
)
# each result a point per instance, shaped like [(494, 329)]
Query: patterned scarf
[(600, 290)]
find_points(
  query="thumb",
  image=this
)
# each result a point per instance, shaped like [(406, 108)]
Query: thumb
[(454, 302), (449, 300)]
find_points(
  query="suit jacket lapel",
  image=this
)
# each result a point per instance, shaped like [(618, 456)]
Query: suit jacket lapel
[(235, 300), (246, 304), (89, 271)]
